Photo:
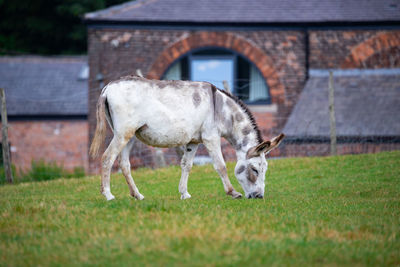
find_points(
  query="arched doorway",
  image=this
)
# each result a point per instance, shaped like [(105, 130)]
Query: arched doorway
[(222, 40)]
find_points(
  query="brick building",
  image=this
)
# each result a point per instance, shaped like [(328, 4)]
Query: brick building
[(47, 109), (266, 51)]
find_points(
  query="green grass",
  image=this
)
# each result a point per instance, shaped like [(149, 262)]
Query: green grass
[(317, 211)]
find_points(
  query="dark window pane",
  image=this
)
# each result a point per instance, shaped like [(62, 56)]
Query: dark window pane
[(212, 52), (243, 79), (185, 69)]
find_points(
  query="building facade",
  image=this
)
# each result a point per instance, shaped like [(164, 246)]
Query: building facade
[(267, 49), (47, 109)]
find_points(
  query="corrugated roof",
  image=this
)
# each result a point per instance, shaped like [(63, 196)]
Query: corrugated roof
[(250, 11), (367, 104), (44, 85)]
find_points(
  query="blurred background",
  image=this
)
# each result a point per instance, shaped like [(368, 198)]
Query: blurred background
[(282, 58)]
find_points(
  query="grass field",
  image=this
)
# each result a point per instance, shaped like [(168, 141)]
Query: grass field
[(317, 211)]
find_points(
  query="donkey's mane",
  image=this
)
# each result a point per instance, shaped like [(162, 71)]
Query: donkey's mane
[(247, 111)]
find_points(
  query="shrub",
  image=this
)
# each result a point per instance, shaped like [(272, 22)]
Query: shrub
[(78, 172), (43, 171)]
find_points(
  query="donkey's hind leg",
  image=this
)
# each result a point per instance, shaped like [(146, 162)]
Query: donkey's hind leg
[(109, 156), (186, 165), (125, 166)]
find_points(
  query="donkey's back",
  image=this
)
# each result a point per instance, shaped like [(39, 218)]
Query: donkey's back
[(159, 113)]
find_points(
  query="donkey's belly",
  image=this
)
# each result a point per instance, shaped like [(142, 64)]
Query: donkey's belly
[(169, 137)]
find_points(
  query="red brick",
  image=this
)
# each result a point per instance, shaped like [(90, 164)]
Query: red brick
[(64, 142)]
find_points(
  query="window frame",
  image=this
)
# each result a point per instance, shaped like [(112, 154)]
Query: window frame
[(228, 53), (232, 57)]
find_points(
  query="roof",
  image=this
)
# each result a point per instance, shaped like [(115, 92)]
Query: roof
[(367, 104), (38, 86), (250, 11)]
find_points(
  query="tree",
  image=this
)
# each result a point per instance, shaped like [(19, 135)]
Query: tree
[(46, 26)]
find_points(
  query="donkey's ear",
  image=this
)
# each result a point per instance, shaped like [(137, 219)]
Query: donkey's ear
[(275, 142), (265, 147), (256, 151)]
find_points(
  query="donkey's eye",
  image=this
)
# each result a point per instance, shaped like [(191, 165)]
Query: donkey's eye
[(254, 170)]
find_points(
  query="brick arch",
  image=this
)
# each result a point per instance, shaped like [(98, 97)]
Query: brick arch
[(224, 40), (362, 52)]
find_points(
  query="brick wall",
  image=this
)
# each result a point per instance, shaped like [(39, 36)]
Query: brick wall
[(64, 142), (354, 49)]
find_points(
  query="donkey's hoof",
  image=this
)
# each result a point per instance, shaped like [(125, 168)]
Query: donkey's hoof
[(109, 196), (185, 195), (236, 195), (139, 196)]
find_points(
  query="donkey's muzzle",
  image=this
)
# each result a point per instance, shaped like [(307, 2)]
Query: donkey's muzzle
[(255, 195)]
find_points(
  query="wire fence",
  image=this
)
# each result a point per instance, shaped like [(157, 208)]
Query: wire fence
[(366, 108), (366, 112)]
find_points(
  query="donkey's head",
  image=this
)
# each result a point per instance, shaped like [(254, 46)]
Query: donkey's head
[(250, 172)]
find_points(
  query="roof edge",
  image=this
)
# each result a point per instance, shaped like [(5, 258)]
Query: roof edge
[(330, 23), (46, 59), (353, 72), (47, 117), (116, 8)]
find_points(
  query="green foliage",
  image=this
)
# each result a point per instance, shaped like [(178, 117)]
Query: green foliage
[(78, 172), (336, 211), (42, 171), (46, 26)]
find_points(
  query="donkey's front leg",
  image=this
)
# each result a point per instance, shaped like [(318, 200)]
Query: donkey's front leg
[(214, 149), (186, 164)]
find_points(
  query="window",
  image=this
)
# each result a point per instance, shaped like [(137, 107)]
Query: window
[(214, 70), (219, 65)]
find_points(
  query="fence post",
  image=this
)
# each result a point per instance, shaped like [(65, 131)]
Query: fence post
[(332, 114), (159, 159), (4, 130)]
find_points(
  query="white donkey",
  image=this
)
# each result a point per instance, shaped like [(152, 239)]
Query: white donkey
[(180, 113)]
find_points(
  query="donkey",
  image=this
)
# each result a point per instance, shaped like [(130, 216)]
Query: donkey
[(180, 113)]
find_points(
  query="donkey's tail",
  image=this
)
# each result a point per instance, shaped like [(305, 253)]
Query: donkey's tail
[(100, 132)]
